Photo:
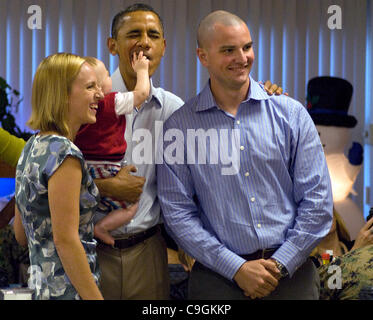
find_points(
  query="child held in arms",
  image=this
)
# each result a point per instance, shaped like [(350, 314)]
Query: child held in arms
[(103, 144)]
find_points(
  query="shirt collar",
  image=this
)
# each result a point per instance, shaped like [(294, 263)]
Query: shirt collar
[(120, 86), (207, 100)]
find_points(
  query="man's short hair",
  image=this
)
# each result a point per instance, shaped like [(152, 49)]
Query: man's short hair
[(117, 20), (219, 16)]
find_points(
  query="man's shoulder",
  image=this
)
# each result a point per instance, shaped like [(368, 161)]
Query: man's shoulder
[(287, 105), (168, 99), (186, 112), (117, 81), (278, 102), (284, 100)]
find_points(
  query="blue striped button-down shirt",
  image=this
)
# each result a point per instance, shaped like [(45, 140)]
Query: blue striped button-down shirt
[(278, 193)]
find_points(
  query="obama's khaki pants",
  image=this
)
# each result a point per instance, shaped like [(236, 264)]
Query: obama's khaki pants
[(136, 273)]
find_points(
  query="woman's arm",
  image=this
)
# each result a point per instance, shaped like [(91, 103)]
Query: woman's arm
[(19, 230), (63, 195)]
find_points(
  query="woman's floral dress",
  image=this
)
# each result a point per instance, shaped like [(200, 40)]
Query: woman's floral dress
[(40, 158)]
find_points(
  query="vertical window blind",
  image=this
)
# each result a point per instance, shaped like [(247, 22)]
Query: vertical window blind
[(292, 41)]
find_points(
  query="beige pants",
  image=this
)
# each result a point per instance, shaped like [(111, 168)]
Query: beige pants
[(136, 273)]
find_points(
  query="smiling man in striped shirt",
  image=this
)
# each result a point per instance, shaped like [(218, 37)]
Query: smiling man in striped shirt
[(250, 232)]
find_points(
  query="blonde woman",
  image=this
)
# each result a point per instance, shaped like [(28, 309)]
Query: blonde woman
[(55, 195)]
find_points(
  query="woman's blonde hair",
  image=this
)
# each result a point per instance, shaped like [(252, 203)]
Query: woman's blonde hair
[(50, 92)]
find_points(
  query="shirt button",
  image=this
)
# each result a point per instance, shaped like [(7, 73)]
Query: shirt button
[(252, 199), (246, 174), (238, 122), (242, 147), (259, 225)]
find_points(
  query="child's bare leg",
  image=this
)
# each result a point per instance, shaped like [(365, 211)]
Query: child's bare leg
[(112, 221)]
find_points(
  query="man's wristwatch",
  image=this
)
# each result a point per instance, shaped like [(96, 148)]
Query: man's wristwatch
[(283, 272)]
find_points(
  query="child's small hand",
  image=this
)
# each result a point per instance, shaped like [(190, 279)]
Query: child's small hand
[(139, 62)]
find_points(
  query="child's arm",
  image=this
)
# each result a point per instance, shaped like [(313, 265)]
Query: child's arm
[(112, 221), (126, 101), (140, 64), (65, 217)]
